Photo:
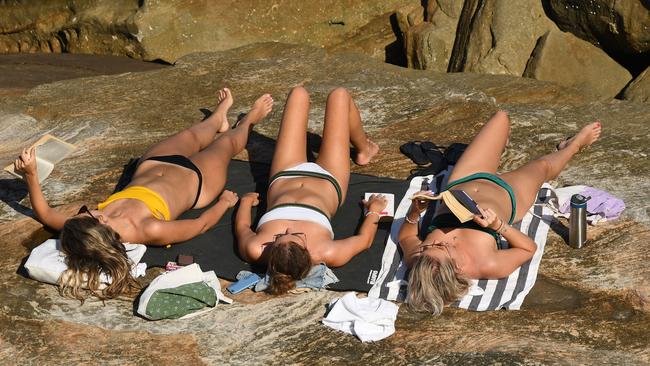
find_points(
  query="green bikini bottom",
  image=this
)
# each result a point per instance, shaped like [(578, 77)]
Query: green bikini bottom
[(494, 179)]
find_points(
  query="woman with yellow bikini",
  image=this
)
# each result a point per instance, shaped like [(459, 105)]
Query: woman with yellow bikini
[(187, 170), (452, 252)]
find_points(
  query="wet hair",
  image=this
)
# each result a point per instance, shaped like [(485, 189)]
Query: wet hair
[(434, 284), (91, 249), (288, 262)]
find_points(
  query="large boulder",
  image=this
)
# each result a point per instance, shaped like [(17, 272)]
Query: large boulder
[(498, 36), (428, 44), (616, 26), (168, 30), (567, 60), (589, 306), (639, 89)]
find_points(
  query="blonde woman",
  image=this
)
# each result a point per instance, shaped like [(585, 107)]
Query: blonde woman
[(295, 233), (187, 170), (452, 253)]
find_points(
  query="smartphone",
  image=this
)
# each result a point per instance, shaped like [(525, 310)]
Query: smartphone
[(246, 282)]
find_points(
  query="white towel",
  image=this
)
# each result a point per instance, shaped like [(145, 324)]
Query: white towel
[(367, 318), (505, 293)]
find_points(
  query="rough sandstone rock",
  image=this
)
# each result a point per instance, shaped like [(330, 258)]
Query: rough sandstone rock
[(639, 89), (168, 30), (565, 59), (428, 45), (500, 36), (590, 306), (616, 26)]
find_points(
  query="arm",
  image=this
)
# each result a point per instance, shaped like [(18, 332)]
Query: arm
[(409, 240), (50, 217), (243, 231), (501, 263), (159, 232), (341, 251)]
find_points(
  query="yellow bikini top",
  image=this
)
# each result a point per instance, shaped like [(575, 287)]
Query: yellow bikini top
[(154, 202)]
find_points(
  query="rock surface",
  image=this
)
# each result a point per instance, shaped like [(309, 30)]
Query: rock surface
[(590, 306), (621, 26), (567, 60), (501, 36), (639, 89)]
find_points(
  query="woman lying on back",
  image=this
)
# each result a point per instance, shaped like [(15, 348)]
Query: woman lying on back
[(295, 233), (452, 253), (187, 170)]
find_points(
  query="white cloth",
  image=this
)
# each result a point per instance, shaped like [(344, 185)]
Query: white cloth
[(367, 318), (46, 262), (182, 276)]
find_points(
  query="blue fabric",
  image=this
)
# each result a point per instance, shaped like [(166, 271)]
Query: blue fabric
[(319, 277)]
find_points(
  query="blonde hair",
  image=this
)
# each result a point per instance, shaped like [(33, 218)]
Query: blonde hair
[(434, 284), (91, 249), (288, 262)]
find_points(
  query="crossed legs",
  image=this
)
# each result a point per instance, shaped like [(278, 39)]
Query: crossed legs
[(211, 156)]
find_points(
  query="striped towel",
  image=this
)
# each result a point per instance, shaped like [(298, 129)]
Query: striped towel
[(506, 293)]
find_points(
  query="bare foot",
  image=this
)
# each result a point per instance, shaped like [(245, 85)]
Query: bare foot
[(587, 136), (262, 106), (364, 156), (224, 102)]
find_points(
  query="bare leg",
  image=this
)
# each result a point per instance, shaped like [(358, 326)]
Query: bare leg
[(342, 126), (199, 136), (484, 152), (291, 146), (527, 179), (213, 161)]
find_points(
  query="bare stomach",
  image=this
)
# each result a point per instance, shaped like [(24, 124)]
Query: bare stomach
[(316, 192), (488, 195), (175, 184)]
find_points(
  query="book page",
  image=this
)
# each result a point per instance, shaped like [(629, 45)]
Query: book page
[(52, 149), (43, 168)]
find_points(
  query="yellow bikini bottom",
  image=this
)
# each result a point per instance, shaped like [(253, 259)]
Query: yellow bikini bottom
[(154, 202)]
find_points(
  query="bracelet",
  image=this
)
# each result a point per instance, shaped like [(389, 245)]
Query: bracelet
[(373, 212), (502, 227), (414, 222)]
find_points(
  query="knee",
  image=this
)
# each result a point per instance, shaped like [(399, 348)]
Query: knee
[(547, 167), (339, 93), (299, 92)]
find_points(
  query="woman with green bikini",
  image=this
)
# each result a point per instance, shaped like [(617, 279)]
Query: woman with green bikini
[(452, 253)]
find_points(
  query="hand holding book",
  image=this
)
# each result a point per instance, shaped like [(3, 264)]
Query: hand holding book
[(26, 162)]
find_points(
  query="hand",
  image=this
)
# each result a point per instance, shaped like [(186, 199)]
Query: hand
[(419, 205), (375, 203), (229, 197), (488, 218), (26, 162), (252, 197)]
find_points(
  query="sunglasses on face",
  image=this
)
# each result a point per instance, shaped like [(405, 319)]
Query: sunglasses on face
[(302, 236), (84, 210), (424, 247)]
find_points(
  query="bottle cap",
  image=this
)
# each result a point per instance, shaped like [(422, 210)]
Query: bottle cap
[(579, 201)]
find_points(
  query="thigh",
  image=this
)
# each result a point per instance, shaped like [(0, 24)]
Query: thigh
[(291, 146), (526, 182), (484, 152), (213, 163), (182, 143), (334, 153)]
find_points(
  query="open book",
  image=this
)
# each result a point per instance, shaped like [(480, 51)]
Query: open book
[(388, 212), (458, 202), (49, 151)]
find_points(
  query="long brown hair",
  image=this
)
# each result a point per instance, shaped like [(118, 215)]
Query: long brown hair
[(434, 284), (288, 262), (91, 249)]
